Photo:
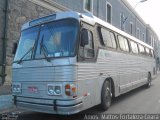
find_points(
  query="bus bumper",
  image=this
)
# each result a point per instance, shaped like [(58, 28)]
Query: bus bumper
[(62, 107)]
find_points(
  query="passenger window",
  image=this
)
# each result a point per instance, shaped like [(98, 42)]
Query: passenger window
[(123, 42), (108, 38), (87, 51), (148, 52), (141, 50), (134, 47), (152, 53), (114, 45)]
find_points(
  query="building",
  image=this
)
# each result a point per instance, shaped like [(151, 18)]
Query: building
[(119, 13), (2, 35)]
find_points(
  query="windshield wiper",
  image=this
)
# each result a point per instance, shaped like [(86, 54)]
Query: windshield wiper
[(31, 49), (43, 49)]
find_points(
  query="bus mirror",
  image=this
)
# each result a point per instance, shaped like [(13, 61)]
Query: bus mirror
[(84, 37), (14, 48)]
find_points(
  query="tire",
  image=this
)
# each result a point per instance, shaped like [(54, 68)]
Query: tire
[(148, 85), (106, 96)]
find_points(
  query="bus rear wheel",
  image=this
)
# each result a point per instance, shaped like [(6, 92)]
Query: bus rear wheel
[(106, 96), (148, 85)]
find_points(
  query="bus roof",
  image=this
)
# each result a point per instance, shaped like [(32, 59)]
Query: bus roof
[(52, 17), (86, 17)]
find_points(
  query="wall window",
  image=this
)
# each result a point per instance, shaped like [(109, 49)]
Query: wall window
[(108, 13), (123, 42), (131, 27), (151, 41), (108, 38), (122, 21), (138, 33), (143, 37), (88, 5)]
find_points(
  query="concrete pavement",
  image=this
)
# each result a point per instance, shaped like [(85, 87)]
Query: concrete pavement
[(5, 98), (6, 103)]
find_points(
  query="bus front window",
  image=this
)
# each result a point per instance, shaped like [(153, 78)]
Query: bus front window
[(26, 44), (50, 40), (57, 39)]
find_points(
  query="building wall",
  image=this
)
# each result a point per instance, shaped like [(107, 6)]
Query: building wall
[(118, 7), (20, 12), (75, 5), (99, 10), (2, 7), (153, 40)]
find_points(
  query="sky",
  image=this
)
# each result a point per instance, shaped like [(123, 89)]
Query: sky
[(149, 12)]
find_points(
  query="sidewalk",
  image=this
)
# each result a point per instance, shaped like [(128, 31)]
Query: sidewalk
[(6, 103), (5, 98)]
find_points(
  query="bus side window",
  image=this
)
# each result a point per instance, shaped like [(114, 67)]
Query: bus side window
[(134, 47), (87, 44), (108, 38), (152, 54), (123, 43), (141, 50), (148, 52)]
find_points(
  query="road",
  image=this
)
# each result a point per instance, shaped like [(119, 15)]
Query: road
[(139, 101)]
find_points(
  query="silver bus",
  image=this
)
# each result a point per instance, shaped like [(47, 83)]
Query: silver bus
[(68, 62)]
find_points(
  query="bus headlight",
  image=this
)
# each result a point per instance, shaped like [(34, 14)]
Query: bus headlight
[(54, 89), (16, 88), (71, 90), (50, 90), (57, 90)]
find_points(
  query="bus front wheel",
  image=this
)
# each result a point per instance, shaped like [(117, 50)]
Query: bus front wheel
[(106, 96)]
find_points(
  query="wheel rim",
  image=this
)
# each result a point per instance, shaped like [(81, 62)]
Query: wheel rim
[(108, 96)]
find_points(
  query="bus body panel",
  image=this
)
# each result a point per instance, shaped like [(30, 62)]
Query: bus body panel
[(127, 71)]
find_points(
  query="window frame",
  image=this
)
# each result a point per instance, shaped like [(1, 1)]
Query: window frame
[(138, 33), (102, 40), (122, 25), (140, 45), (93, 44), (152, 53), (128, 51), (143, 37), (107, 3), (131, 41), (131, 28), (149, 52), (84, 6)]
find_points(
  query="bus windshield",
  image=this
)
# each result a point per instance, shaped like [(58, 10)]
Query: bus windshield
[(50, 40)]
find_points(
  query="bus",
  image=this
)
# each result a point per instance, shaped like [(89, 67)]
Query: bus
[(68, 62)]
